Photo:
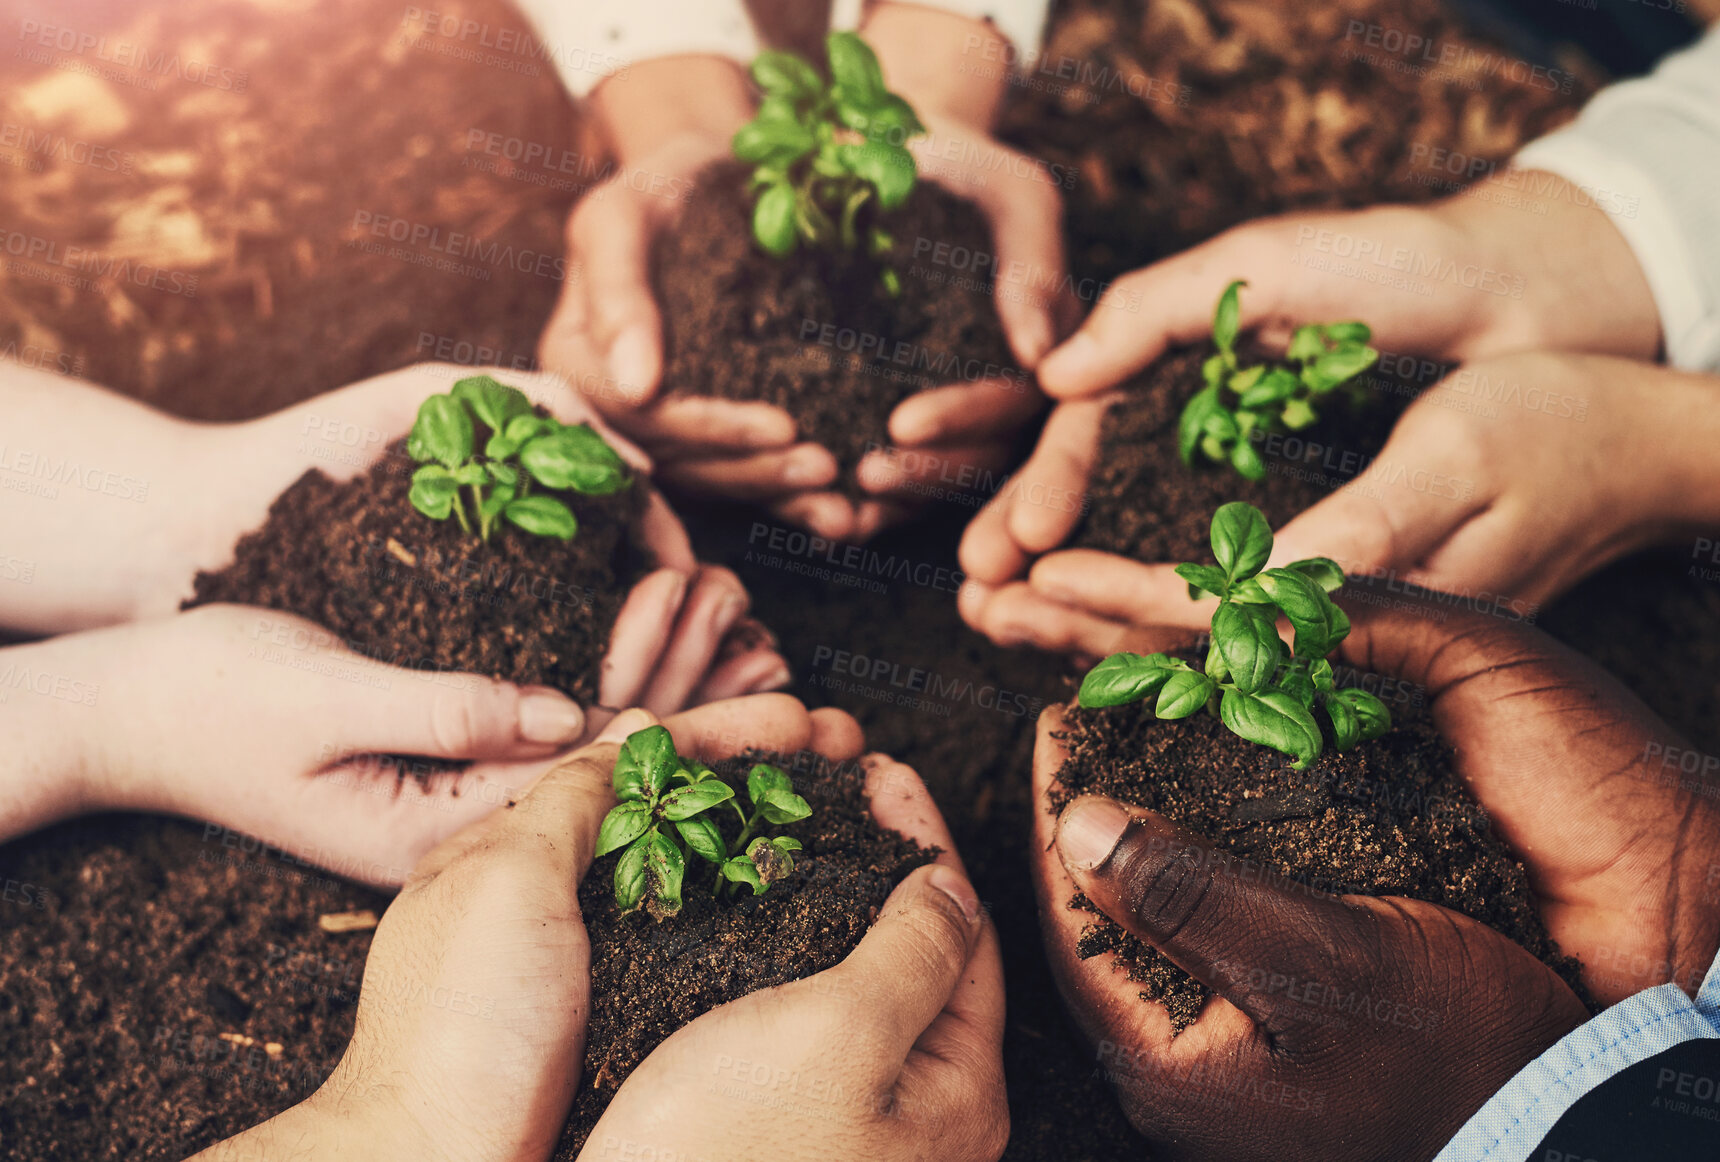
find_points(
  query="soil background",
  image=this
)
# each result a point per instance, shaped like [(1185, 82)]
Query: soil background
[(143, 940)]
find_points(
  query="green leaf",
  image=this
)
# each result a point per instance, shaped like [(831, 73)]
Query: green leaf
[(1320, 673), (773, 224), (1225, 317), (702, 839), (1241, 539), (777, 142), (496, 501), (1320, 625), (624, 823), (780, 806), (1191, 425), (630, 877), (786, 843), (1339, 366), (786, 73), (433, 491), (764, 778), (503, 473), (443, 431), (686, 802), (772, 862), (1124, 678), (892, 120), (646, 761), (543, 515), (1275, 385), (889, 168), (1249, 592), (1346, 727), (1297, 414), (1273, 718), (666, 867), (1323, 571), (575, 457), (472, 473), (1306, 344), (1246, 378), (1251, 651), (1204, 579), (1298, 685), (1351, 332), (493, 403), (1247, 461), (1221, 424), (1374, 717), (1185, 693), (854, 69), (741, 870)]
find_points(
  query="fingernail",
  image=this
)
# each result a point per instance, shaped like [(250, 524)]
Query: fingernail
[(549, 717), (955, 885), (631, 358), (1089, 832), (626, 723), (778, 679)]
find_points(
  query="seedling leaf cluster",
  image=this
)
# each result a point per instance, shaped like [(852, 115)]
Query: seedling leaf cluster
[(1262, 692), (524, 458), (823, 151), (669, 807), (1221, 420)]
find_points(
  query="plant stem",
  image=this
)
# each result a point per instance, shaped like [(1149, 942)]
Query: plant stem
[(483, 521), (460, 515)]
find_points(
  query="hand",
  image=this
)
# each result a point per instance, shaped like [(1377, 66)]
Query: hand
[(471, 1019), (1271, 1069), (896, 1053), (1511, 501)]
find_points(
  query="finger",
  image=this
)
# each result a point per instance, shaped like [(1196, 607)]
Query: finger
[(1015, 615), (767, 722), (907, 966), (612, 238), (825, 514), (965, 413), (836, 735), (1117, 589), (988, 554), (901, 803), (451, 716), (715, 602), (1049, 494), (666, 535), (642, 633), (755, 476), (691, 426), (1026, 217), (752, 671), (947, 469), (1215, 915)]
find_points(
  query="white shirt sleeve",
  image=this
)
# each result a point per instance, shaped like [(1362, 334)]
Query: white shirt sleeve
[(589, 40), (1021, 22), (1647, 152)]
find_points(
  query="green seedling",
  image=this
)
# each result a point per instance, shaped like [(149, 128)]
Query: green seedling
[(1221, 420), (1259, 691), (827, 155), (525, 457), (668, 808)]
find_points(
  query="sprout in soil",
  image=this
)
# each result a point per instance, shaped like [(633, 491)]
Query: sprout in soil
[(822, 151), (523, 449), (1222, 419), (667, 801), (1247, 680)]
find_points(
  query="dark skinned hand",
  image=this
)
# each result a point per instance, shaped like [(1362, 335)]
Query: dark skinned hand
[(1568, 764)]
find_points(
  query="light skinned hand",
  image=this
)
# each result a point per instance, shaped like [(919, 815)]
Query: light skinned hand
[(1507, 482), (896, 1053)]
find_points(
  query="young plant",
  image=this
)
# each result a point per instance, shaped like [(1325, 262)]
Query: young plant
[(658, 822), (1257, 690), (1221, 419), (824, 151), (522, 450)]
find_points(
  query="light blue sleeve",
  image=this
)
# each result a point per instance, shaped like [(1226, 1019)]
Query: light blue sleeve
[(1519, 1116)]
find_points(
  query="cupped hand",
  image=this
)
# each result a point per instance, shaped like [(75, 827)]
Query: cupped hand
[(1331, 1012), (1506, 483), (896, 1053), (471, 1018)]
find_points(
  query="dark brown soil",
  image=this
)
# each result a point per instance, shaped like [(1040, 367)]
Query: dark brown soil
[(1385, 818), (815, 333), (1146, 504), (358, 559), (648, 979)]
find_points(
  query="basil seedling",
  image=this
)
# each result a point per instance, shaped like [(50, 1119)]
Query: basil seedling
[(1221, 419), (522, 449), (666, 810), (1258, 691), (823, 151)]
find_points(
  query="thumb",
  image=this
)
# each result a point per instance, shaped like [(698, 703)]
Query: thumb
[(1239, 928), (451, 716), (908, 965)]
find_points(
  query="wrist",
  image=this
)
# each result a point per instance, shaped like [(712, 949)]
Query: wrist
[(47, 717), (949, 67), (319, 1129), (670, 99)]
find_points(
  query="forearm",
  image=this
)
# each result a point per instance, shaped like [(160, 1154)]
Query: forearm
[(659, 101), (50, 700), (943, 62), (83, 483)]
